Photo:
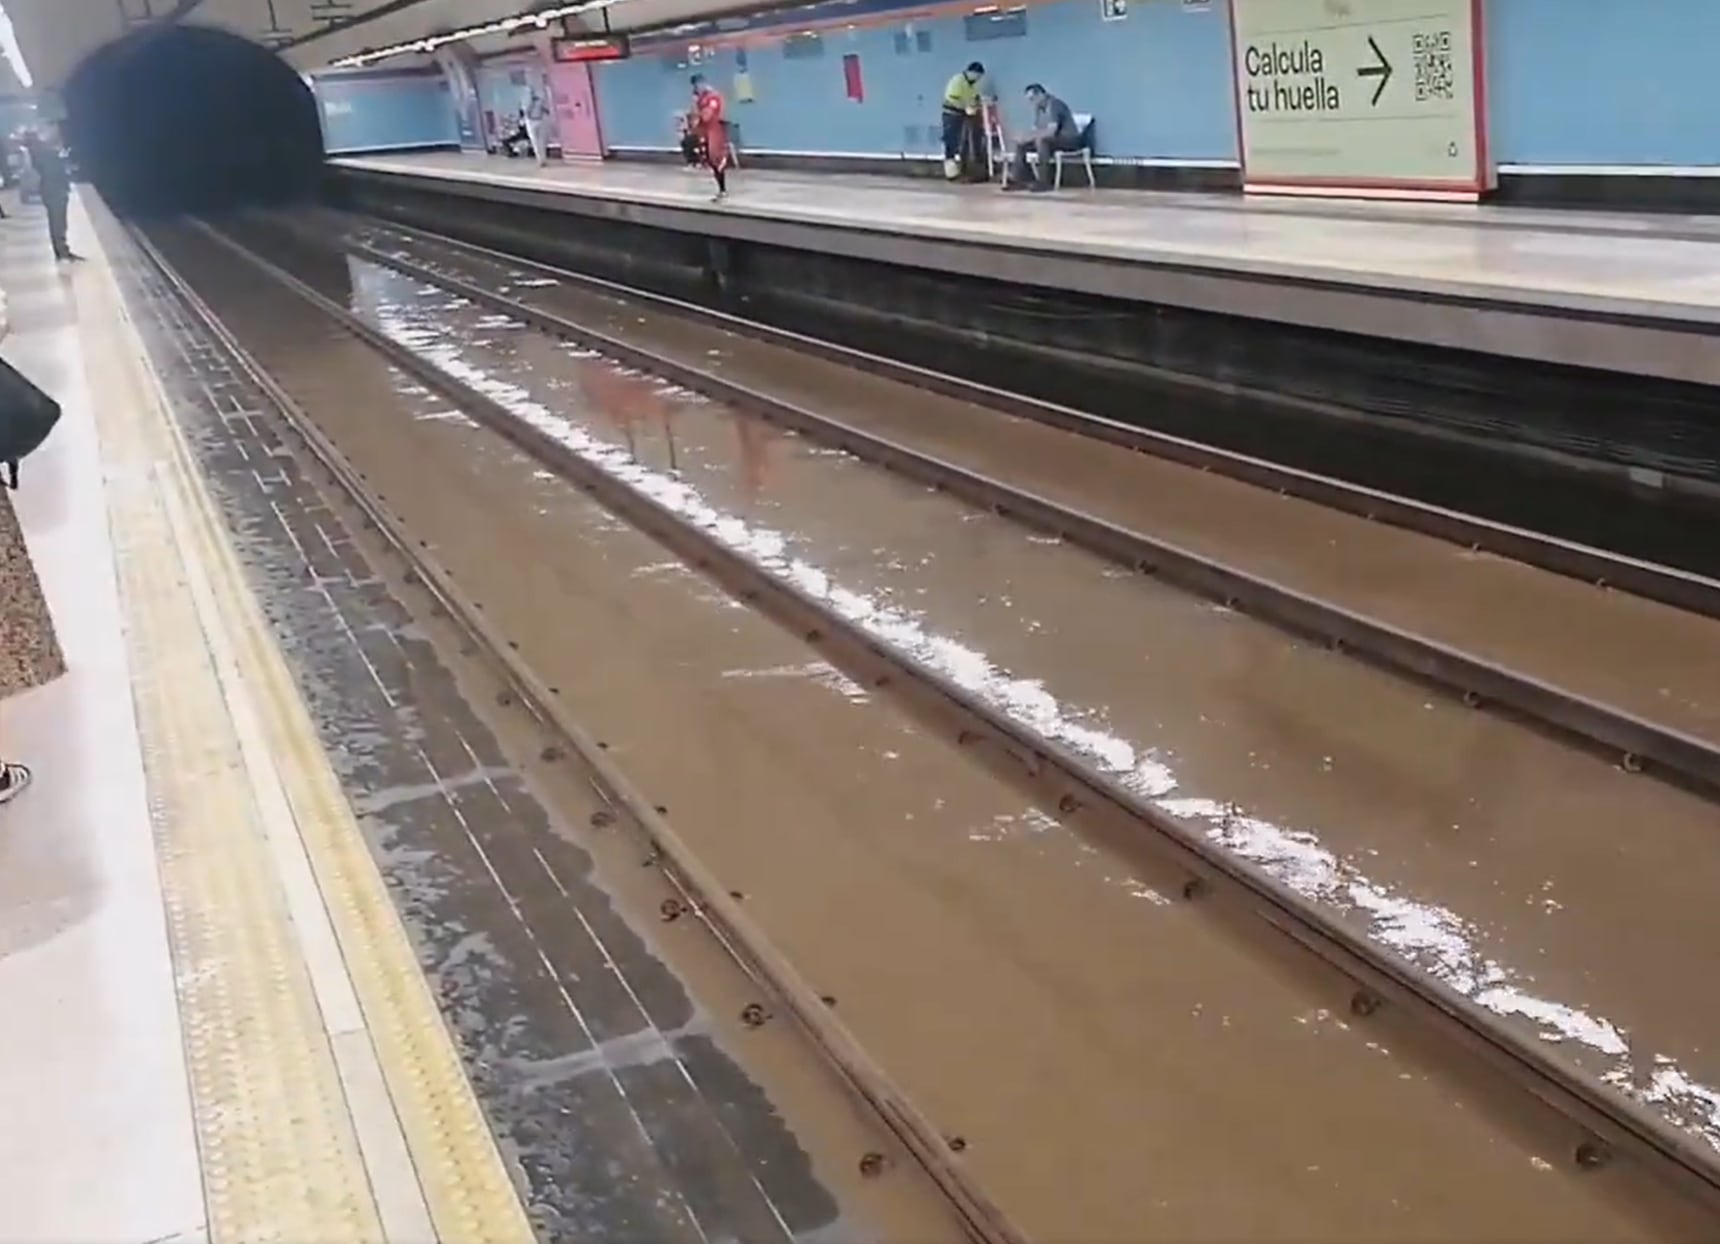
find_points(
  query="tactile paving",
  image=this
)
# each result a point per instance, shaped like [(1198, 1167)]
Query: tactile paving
[(279, 1158), (465, 1184)]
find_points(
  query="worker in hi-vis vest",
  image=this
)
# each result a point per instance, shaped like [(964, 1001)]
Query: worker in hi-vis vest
[(963, 137)]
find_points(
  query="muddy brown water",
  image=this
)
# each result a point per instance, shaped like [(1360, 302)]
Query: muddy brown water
[(1121, 1066), (1648, 659), (1487, 854)]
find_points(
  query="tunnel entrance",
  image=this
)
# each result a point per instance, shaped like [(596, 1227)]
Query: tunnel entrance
[(192, 119)]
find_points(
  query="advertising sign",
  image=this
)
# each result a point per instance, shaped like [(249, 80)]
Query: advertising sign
[(1365, 96)]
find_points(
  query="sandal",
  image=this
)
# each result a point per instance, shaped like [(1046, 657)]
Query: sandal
[(13, 780)]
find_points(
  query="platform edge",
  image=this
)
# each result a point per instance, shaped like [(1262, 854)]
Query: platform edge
[(465, 1184)]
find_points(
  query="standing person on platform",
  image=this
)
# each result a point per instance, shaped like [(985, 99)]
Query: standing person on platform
[(537, 122), (713, 132), (960, 114), (55, 186), (1054, 130)]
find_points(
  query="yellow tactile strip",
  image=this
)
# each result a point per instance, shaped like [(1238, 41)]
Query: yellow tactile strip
[(280, 1160), (465, 1184)]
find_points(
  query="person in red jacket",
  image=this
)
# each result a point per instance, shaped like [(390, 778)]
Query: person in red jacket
[(713, 130)]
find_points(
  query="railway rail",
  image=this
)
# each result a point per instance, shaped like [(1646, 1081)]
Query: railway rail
[(1638, 742), (1602, 567), (1614, 1126), (701, 896)]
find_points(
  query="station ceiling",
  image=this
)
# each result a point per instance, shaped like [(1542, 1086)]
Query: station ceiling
[(54, 35)]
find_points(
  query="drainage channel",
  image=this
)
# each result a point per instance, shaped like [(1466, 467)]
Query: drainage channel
[(1637, 742), (700, 895), (1616, 1125)]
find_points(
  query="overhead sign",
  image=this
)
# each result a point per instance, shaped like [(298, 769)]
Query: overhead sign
[(1370, 96), (589, 48)]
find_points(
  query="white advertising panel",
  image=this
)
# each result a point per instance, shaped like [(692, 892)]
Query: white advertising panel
[(1369, 96)]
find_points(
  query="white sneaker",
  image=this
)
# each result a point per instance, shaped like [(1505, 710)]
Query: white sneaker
[(14, 780)]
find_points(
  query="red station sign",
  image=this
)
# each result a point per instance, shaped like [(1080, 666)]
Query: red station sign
[(589, 48)]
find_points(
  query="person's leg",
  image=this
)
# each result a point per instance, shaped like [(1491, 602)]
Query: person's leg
[(955, 131), (56, 205), (1019, 175), (540, 148), (719, 170), (1044, 147)]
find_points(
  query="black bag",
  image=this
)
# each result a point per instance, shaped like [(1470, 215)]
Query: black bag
[(27, 415)]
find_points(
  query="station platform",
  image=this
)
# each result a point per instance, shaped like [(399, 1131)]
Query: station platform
[(1634, 294), (216, 1025)]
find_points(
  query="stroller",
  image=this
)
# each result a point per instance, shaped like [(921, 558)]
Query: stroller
[(691, 141), (694, 152), (516, 141)]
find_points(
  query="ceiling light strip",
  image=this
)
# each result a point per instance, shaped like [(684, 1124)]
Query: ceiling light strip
[(507, 25)]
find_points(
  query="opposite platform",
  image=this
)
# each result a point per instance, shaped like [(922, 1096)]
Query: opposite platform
[(1634, 294)]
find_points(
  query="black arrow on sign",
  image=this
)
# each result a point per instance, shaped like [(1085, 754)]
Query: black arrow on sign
[(1382, 71)]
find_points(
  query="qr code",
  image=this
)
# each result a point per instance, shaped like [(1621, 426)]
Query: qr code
[(1433, 66)]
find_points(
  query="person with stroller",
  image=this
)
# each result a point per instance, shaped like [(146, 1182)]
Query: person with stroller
[(712, 128)]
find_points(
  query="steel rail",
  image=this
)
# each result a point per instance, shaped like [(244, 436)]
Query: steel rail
[(1615, 1126), (702, 892), (1637, 742), (1666, 584)]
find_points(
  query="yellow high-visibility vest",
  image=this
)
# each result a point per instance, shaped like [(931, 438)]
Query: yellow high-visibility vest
[(961, 95)]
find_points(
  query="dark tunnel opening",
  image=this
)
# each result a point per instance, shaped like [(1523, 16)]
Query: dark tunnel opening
[(192, 119)]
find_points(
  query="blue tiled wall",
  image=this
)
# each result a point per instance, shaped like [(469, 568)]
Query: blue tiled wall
[(1157, 82), (1603, 81), (1570, 82), (382, 113)]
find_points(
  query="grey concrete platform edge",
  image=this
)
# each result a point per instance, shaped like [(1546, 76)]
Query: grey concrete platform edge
[(1673, 341)]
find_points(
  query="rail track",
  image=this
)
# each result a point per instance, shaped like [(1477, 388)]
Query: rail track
[(1635, 741), (701, 895), (1602, 567), (1614, 1127)]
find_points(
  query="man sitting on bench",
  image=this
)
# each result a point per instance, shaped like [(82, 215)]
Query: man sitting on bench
[(1054, 130)]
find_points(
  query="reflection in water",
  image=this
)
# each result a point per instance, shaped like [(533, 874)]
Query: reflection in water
[(1433, 938), (821, 672)]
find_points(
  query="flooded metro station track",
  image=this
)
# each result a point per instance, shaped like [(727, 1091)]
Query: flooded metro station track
[(613, 1088), (507, 281), (1026, 837), (1110, 505)]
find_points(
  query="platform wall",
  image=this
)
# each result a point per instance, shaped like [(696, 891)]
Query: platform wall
[(1588, 83), (385, 112), (1604, 82), (1156, 81)]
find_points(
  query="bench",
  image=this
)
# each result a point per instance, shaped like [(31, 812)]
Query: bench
[(1084, 152)]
